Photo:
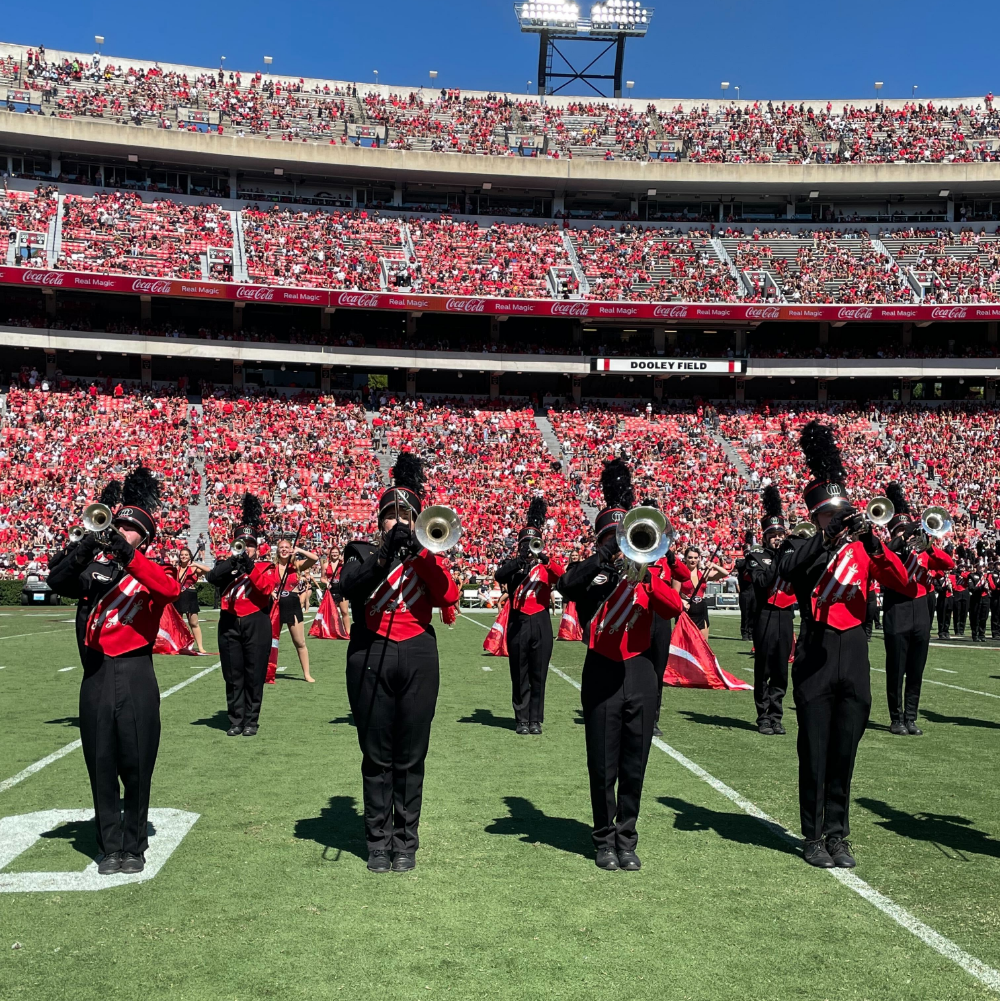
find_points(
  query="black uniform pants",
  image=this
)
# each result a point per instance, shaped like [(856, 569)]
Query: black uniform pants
[(907, 640), (979, 610), (833, 699), (619, 705), (961, 611), (995, 614), (244, 649), (747, 610), (773, 633), (393, 689), (529, 648), (120, 732), (659, 653), (945, 609)]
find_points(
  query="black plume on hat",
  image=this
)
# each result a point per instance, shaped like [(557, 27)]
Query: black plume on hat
[(770, 500), (616, 484), (409, 472), (894, 491), (821, 452), (111, 495), (537, 512), (650, 502), (253, 511), (141, 489), (748, 537)]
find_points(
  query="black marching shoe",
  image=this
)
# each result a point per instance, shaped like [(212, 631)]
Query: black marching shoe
[(629, 861), (839, 849), (764, 727), (607, 859), (235, 731), (535, 728), (898, 728), (110, 863), (815, 853), (912, 729), (404, 861), (521, 728), (132, 863), (379, 861), (250, 731), (657, 732), (778, 729)]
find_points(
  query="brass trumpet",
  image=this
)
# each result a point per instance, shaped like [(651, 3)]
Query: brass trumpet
[(880, 510), (644, 536), (238, 548), (76, 533), (97, 518), (535, 546), (802, 530), (437, 528), (935, 523)]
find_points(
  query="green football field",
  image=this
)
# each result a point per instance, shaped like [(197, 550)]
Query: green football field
[(267, 896)]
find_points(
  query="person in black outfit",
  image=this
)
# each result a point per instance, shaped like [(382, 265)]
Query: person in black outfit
[(993, 580), (979, 604), (392, 666), (960, 589), (945, 605), (747, 592), (773, 625)]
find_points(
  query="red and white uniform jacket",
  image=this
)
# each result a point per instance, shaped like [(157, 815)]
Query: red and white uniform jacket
[(408, 596), (251, 592), (127, 616), (533, 593), (621, 627), (919, 571), (959, 582)]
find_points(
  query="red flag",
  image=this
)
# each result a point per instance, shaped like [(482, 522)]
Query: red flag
[(272, 661), (449, 615), (329, 623), (569, 626), (173, 636), (496, 639), (692, 664)]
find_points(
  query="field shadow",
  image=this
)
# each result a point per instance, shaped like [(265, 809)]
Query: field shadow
[(531, 825), (220, 721), (80, 834), (934, 717), (738, 827), (291, 677), (73, 721), (338, 828), (872, 725), (939, 829), (579, 718), (726, 721), (485, 717), (348, 719)]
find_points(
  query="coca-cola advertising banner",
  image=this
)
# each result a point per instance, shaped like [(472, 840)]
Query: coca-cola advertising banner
[(632, 312), (668, 366)]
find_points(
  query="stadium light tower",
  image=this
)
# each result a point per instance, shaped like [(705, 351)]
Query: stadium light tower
[(607, 22)]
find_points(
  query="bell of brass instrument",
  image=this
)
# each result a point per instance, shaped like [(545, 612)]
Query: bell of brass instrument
[(437, 529), (238, 548), (880, 510), (76, 533), (936, 522), (97, 518), (644, 536), (535, 546), (802, 530)]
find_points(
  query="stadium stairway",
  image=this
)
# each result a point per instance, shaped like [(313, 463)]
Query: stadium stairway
[(198, 513), (731, 454), (548, 433), (384, 461)]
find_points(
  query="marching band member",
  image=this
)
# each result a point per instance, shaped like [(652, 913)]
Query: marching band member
[(392, 665), (293, 564), (830, 575), (248, 589), (773, 624), (906, 629), (529, 579), (124, 593), (619, 681)]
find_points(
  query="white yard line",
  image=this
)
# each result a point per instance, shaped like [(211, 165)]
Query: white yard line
[(44, 632), (959, 646), (943, 670), (976, 968), (73, 745), (63, 670), (944, 684)]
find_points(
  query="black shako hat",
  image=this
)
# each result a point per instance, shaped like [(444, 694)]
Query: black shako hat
[(616, 485), (537, 512), (140, 496), (408, 486), (826, 489), (774, 518)]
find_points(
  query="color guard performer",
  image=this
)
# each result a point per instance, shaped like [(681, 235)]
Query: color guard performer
[(392, 665), (119, 697), (830, 575), (188, 572), (529, 579), (293, 564), (773, 626), (248, 590), (616, 602)]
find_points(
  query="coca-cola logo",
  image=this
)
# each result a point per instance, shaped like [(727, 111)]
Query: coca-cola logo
[(570, 309), (43, 278), (256, 294), (855, 313), (949, 313), (465, 305), (151, 285), (363, 300), (670, 312), (763, 313)]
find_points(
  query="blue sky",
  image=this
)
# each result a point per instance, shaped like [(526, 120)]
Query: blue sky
[(771, 49)]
